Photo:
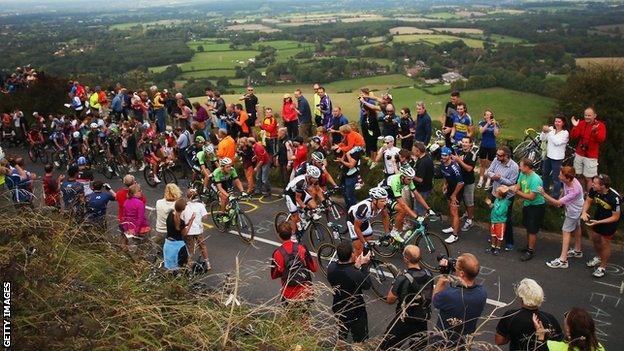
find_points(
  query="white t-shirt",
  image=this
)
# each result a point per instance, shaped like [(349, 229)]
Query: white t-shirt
[(556, 147), (163, 207), (199, 209), (391, 158)]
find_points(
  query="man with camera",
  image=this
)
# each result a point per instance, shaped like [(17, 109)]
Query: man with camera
[(412, 290), (590, 133), (458, 298)]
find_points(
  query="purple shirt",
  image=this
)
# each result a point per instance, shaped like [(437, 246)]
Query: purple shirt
[(572, 199), (201, 115)]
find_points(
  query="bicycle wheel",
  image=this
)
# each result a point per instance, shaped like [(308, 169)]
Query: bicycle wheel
[(336, 213), (33, 153), (149, 176), (319, 234), (169, 177), (218, 216), (244, 227), (387, 247), (281, 217), (431, 246), (521, 149), (43, 156), (325, 255), (382, 275)]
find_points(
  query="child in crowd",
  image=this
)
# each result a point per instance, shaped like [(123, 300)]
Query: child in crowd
[(498, 217)]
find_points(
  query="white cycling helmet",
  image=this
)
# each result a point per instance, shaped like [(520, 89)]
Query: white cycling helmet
[(318, 156), (225, 161), (208, 148), (1, 154), (378, 193), (313, 172), (407, 171), (76, 134), (93, 125)]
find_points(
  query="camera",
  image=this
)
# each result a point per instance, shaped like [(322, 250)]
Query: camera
[(584, 147), (449, 267)]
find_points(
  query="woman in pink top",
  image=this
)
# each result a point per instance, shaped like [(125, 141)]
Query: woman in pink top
[(289, 114), (135, 222)]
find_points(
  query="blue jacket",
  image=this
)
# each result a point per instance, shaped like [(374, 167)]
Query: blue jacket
[(423, 128), (304, 108)]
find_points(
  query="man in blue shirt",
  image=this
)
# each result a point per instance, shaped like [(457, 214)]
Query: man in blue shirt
[(325, 106), (73, 191), (460, 301), (390, 122), (305, 115), (338, 120), (423, 124), (97, 202), (454, 186), (462, 123)]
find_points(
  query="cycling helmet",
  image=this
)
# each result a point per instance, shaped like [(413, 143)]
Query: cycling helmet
[(318, 156), (199, 139), (114, 129), (313, 172), (378, 193), (225, 161), (82, 161), (76, 134), (209, 149), (93, 125), (407, 171), (145, 125)]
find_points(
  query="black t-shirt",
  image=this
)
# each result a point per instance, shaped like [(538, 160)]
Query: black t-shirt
[(348, 283), (606, 204), (406, 292), (424, 169), (250, 106), (448, 121), (517, 326), (469, 158), (172, 232)]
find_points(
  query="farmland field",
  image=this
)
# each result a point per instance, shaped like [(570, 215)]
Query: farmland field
[(409, 30), (209, 44), (285, 48), (436, 39), (459, 30), (208, 73), (600, 61), (442, 15), (220, 60), (252, 28)]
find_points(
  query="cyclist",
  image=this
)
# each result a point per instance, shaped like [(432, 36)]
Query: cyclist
[(152, 155), (395, 185), (207, 162), (193, 150), (360, 214), (225, 178), (317, 159), (297, 194), (75, 146), (85, 175), (58, 142)]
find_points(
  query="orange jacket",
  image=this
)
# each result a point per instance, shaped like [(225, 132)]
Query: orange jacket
[(226, 148), (243, 120), (350, 141)]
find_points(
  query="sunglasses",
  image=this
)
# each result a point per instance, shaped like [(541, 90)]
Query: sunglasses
[(500, 155)]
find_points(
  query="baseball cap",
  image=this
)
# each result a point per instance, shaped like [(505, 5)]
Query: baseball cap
[(446, 151), (388, 138)]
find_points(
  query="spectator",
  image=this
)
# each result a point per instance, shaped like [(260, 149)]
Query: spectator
[(590, 133), (163, 207), (73, 193), (232, 121), (389, 122), (158, 106), (219, 108), (202, 118), (466, 159), (262, 168), (348, 278), (516, 327), (318, 116), (407, 128), (134, 221), (453, 186), (194, 213), (604, 222), (489, 129), (424, 174), (51, 187), (321, 134), (251, 107), (370, 127), (226, 147), (289, 115), (533, 205), (325, 107), (246, 153), (299, 154), (351, 148), (580, 332), (449, 110), (557, 140), (97, 202), (498, 218), (294, 270), (413, 292), (390, 156), (183, 143), (504, 171), (572, 199), (121, 196), (269, 126), (182, 115), (175, 253), (243, 120), (462, 123), (85, 174), (338, 120), (304, 114), (460, 305)]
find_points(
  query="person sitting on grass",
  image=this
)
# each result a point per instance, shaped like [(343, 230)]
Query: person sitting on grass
[(498, 218)]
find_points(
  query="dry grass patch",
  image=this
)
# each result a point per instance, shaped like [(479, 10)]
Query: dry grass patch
[(409, 30), (586, 62), (459, 30), (252, 27)]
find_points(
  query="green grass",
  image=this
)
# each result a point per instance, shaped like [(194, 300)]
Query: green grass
[(442, 15), (208, 73), (436, 39), (286, 49), (209, 45), (499, 39), (221, 60)]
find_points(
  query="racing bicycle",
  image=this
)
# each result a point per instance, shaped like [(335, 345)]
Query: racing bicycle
[(310, 222), (233, 217)]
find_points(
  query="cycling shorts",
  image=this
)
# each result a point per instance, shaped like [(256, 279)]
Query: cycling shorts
[(365, 227), (291, 204)]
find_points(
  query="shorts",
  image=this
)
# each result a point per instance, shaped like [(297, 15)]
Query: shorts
[(292, 205), (570, 224), (588, 167), (497, 230), (487, 153), (365, 227), (606, 230), (468, 195), (532, 217)]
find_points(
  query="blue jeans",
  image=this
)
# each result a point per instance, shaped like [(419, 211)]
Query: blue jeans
[(418, 208), (262, 178), (349, 191), (161, 117), (550, 171)]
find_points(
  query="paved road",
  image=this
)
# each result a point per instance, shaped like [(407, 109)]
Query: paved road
[(563, 288)]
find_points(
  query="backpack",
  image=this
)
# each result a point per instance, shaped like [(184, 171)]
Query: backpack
[(420, 288), (295, 271)]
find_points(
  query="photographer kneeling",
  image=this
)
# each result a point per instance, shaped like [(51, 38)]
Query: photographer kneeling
[(459, 299)]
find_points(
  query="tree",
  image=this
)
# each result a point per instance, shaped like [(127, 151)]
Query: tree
[(200, 48), (603, 88)]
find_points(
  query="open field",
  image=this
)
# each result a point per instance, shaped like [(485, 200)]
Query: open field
[(442, 15), (209, 45), (285, 48), (384, 82), (409, 30), (414, 19), (128, 25), (206, 61), (470, 13), (459, 30), (208, 73), (600, 61), (503, 39), (436, 39), (252, 27)]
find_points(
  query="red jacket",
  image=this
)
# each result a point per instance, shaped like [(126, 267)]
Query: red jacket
[(301, 154), (288, 112), (270, 126), (277, 270), (261, 155), (590, 135)]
